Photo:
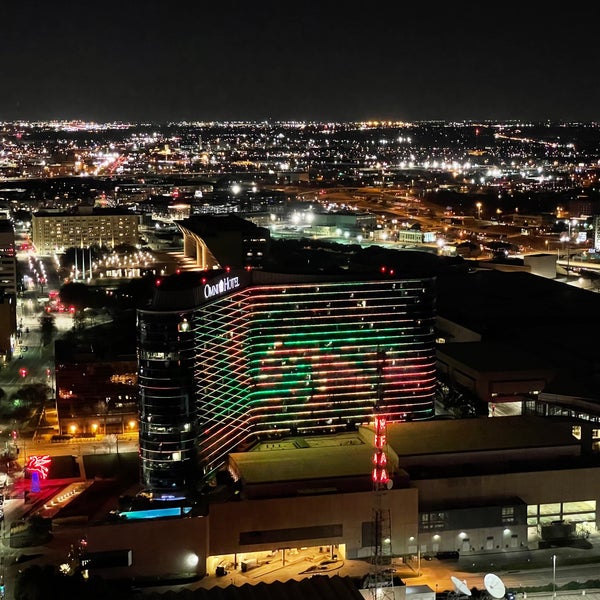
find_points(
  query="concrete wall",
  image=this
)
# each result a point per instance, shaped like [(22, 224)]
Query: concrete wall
[(543, 265), (285, 518), (487, 383), (533, 488), (160, 548)]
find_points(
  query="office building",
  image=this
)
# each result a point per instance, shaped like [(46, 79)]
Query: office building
[(8, 290), (8, 260)]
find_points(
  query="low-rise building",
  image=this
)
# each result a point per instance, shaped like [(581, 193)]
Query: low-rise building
[(470, 486)]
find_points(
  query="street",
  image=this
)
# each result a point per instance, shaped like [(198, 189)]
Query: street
[(110, 444)]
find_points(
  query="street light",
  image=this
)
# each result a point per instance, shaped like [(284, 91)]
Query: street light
[(554, 575), (567, 238), (478, 205)]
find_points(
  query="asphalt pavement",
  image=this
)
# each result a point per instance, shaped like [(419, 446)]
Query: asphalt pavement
[(520, 572)]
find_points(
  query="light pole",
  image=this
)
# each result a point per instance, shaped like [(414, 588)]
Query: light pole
[(568, 240), (568, 254), (554, 575)]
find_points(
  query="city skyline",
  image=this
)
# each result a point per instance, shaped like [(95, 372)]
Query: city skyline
[(259, 337), (268, 60)]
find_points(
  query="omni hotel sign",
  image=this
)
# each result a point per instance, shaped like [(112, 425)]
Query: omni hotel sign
[(221, 286)]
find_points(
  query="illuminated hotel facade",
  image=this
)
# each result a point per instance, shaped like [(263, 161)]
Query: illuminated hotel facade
[(227, 359), (54, 232)]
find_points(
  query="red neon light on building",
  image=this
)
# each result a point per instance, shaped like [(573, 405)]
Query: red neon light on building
[(39, 464), (379, 459), (380, 476)]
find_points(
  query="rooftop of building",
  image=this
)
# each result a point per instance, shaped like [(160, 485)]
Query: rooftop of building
[(420, 447), (327, 457), (490, 357), (113, 341), (311, 588), (184, 290), (83, 211), (212, 225), (576, 387), (437, 437), (541, 316)]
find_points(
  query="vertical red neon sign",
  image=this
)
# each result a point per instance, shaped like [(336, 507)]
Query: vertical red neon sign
[(380, 476)]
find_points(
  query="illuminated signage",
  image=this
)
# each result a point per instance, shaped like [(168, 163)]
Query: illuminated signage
[(223, 285), (39, 464)]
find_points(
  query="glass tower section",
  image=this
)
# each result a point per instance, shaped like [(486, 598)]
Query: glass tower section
[(310, 358), (167, 411)]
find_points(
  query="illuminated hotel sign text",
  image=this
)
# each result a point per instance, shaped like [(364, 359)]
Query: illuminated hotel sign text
[(226, 284)]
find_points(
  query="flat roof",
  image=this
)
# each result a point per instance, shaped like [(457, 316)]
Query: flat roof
[(491, 357), (479, 434), (344, 455), (544, 316), (350, 454)]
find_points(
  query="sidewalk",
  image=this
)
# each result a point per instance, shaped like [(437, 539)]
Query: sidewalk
[(531, 559)]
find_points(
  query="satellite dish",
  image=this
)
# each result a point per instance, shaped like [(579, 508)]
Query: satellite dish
[(494, 585), (460, 587)]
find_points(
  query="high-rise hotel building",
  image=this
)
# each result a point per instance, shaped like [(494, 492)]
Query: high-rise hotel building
[(228, 358)]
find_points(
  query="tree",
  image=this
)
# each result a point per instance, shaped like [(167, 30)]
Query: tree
[(125, 249), (75, 294), (33, 582), (78, 320), (33, 393), (68, 258), (136, 292), (16, 409), (47, 327), (39, 582)]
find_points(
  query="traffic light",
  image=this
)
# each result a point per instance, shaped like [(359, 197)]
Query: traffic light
[(23, 372)]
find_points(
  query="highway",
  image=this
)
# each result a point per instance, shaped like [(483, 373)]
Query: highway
[(392, 203)]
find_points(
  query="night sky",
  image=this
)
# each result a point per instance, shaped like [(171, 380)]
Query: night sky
[(144, 60)]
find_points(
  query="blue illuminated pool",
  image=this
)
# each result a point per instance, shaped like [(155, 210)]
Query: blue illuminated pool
[(156, 513)]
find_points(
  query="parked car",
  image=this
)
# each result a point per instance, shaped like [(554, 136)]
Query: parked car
[(447, 555)]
